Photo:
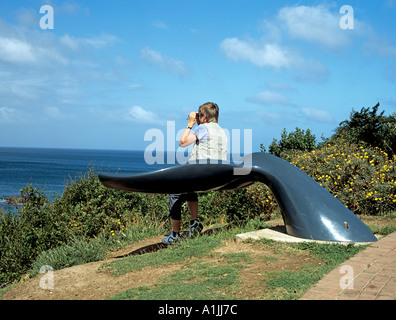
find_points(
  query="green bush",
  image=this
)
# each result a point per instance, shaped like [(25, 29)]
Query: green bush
[(248, 203), (15, 255), (67, 255), (376, 130), (90, 209), (40, 225), (239, 206), (290, 143), (24, 235), (55, 232)]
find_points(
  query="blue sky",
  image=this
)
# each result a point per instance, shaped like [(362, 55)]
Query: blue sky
[(110, 71)]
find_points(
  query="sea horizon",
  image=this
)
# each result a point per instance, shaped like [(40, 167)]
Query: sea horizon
[(50, 168)]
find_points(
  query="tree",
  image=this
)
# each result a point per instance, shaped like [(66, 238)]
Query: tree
[(374, 129), (298, 140)]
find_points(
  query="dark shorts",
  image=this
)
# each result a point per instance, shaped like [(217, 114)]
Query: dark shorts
[(176, 201)]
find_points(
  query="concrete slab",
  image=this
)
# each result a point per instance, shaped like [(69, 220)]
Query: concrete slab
[(279, 234)]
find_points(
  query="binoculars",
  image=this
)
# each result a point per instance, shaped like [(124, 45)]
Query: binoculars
[(196, 116)]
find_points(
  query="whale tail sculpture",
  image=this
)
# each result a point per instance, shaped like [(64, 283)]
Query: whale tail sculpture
[(308, 210)]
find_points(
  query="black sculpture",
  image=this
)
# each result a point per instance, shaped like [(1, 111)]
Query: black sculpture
[(309, 211)]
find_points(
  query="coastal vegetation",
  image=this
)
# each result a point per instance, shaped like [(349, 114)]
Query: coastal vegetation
[(356, 165)]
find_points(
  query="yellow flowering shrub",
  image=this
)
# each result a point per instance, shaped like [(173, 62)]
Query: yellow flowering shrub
[(263, 199), (363, 179)]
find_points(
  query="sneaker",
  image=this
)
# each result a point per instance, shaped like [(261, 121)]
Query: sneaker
[(171, 238), (195, 229)]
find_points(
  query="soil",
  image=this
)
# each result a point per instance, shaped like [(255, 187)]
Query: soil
[(85, 282)]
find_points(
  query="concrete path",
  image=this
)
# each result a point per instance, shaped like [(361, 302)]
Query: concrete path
[(369, 275)]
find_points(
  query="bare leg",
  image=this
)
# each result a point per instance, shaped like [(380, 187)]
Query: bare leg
[(176, 225), (193, 206)]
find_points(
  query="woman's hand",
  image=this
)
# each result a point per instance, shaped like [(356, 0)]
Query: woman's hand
[(188, 137), (192, 119)]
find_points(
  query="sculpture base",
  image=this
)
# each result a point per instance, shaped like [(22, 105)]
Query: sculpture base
[(279, 234)]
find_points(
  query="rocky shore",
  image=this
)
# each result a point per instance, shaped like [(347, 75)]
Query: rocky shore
[(13, 200)]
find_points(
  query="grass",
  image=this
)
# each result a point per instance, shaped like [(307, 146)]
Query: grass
[(194, 248), (383, 224), (291, 284), (194, 281), (203, 278), (205, 274), (83, 251), (177, 253)]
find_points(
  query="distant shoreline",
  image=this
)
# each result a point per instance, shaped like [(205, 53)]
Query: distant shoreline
[(10, 205), (13, 200)]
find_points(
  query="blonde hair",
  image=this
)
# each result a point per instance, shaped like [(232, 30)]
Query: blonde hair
[(211, 110)]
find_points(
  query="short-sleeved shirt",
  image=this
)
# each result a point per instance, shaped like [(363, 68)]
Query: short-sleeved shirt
[(211, 143), (201, 132)]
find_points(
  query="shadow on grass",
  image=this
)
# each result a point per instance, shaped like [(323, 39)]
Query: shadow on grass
[(159, 245)]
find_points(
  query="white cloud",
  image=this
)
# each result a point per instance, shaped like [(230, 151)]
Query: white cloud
[(8, 115), (15, 91), (68, 8), (100, 41), (269, 98), (124, 62), (159, 24), (54, 113), (69, 42), (317, 114), (152, 56), (272, 118), (272, 55), (259, 54), (45, 76), (278, 86), (16, 51), (135, 86), (27, 17), (94, 42), (390, 3), (310, 70), (379, 45), (318, 25), (140, 115), (165, 63)]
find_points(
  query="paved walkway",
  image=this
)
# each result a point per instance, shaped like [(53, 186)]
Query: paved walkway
[(369, 275)]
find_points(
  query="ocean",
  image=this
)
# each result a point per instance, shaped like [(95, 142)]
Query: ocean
[(51, 168)]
